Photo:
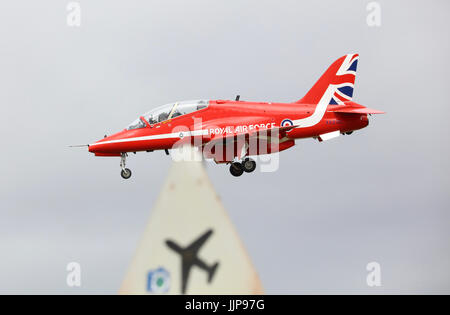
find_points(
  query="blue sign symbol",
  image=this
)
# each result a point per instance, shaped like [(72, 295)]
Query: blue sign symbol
[(158, 281)]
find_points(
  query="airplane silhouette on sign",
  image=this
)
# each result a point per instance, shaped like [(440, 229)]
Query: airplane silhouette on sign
[(189, 259)]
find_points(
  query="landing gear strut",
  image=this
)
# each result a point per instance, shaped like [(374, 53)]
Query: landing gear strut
[(126, 172)]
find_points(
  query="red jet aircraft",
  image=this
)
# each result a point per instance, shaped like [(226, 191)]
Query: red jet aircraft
[(232, 131)]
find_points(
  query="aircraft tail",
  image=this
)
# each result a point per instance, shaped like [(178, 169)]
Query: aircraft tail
[(341, 74), (212, 271)]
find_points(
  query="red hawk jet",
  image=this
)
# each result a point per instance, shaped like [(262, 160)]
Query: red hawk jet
[(232, 131)]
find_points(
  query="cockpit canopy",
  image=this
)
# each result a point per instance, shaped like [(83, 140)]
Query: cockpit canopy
[(167, 112)]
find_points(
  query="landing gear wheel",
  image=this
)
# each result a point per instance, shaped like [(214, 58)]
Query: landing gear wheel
[(125, 173), (236, 169), (248, 165), (349, 133)]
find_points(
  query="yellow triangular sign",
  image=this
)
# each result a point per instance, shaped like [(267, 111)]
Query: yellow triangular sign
[(190, 245)]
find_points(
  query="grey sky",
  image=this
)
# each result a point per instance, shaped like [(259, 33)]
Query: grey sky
[(312, 226)]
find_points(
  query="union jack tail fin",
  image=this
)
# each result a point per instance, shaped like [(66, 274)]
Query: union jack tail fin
[(341, 75)]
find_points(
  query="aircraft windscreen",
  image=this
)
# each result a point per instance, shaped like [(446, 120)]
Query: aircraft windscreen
[(168, 111), (138, 123)]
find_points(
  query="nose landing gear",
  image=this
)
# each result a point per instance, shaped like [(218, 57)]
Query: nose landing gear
[(126, 172)]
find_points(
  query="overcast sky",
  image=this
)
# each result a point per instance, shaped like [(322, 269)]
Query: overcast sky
[(312, 226)]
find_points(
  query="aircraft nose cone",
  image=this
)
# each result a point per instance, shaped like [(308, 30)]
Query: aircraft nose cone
[(95, 147), (91, 148), (108, 146), (100, 146)]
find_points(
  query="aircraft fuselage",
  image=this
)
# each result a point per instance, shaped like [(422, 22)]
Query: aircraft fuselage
[(225, 119)]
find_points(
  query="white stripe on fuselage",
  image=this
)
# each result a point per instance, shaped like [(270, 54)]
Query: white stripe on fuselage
[(173, 135), (320, 110)]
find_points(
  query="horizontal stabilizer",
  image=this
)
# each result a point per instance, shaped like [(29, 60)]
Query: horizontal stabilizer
[(353, 110)]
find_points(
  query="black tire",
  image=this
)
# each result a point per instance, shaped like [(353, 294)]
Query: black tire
[(349, 133), (236, 169), (248, 165), (125, 173)]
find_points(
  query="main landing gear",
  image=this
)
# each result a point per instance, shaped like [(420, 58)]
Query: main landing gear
[(238, 168), (126, 172)]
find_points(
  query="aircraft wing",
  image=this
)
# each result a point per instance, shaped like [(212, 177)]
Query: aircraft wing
[(241, 143), (277, 131), (172, 245), (196, 245)]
